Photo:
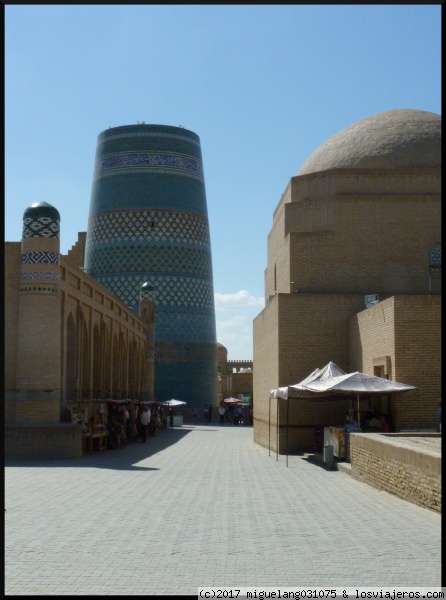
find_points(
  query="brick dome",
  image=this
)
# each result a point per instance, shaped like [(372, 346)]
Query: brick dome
[(392, 139)]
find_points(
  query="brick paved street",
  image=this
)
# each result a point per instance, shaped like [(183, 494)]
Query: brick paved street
[(205, 506)]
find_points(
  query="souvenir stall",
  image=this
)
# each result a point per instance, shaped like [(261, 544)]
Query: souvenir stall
[(121, 422), (89, 414), (331, 383)]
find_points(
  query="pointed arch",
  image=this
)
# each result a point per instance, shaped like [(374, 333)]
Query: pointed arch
[(122, 366), (106, 355), (71, 359), (115, 368), (85, 360), (97, 362), (132, 368)]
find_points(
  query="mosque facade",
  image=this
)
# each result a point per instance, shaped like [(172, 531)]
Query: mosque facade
[(69, 340), (353, 276)]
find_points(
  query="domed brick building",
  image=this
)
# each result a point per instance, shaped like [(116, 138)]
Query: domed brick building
[(354, 276)]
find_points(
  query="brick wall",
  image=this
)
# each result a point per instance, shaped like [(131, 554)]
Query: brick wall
[(241, 383), (113, 338), (77, 253), (359, 230), (313, 329), (390, 335), (418, 360), (12, 282), (387, 463), (43, 352), (336, 237), (266, 367), (43, 441)]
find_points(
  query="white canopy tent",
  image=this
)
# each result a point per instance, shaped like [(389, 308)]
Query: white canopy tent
[(332, 382), (174, 402), (298, 390), (359, 384)]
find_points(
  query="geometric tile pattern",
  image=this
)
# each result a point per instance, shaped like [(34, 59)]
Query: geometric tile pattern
[(149, 160), (435, 259), (148, 233), (39, 275), (172, 290), (148, 225), (435, 255), (143, 258), (42, 226), (40, 258), (39, 290), (196, 328)]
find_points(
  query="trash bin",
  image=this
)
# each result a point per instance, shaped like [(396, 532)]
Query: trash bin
[(328, 456)]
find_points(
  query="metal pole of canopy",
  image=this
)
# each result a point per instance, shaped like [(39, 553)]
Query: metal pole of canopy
[(277, 430), (287, 413)]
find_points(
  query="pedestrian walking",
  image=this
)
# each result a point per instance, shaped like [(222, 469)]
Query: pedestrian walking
[(210, 413), (143, 423), (222, 412), (196, 414)]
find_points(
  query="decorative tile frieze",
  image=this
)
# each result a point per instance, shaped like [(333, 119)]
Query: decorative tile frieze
[(148, 160), (34, 257), (39, 275), (41, 227), (42, 290)]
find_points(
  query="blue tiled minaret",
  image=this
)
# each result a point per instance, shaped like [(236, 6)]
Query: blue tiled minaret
[(148, 224)]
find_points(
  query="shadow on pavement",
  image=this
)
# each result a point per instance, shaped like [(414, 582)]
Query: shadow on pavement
[(318, 461), (121, 460)]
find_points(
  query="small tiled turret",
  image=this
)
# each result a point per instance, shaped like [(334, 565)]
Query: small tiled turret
[(39, 335)]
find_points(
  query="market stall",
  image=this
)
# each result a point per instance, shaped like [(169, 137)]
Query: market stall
[(175, 419), (331, 383)]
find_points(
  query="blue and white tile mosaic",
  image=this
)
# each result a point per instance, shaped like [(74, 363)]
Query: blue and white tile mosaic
[(40, 258), (170, 290), (41, 227), (145, 225), (147, 160), (39, 275)]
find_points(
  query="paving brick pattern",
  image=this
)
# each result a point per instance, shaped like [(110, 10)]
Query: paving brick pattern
[(205, 506)]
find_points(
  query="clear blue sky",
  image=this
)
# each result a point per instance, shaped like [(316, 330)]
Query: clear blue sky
[(262, 86)]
